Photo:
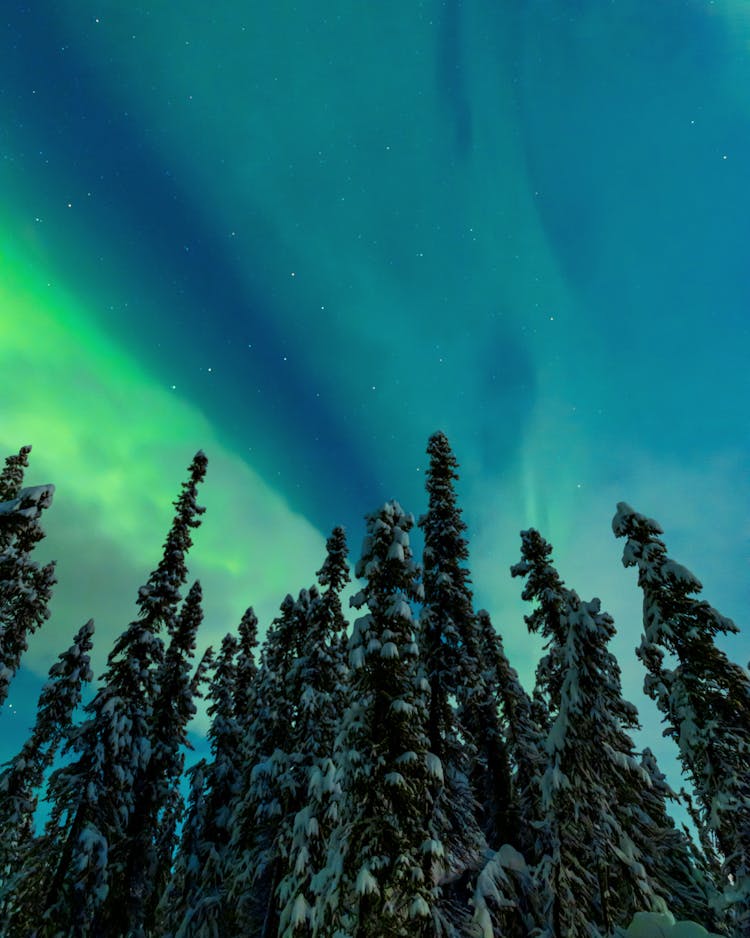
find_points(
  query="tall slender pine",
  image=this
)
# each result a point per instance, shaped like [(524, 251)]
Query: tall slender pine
[(93, 797), (705, 699), (470, 742), (320, 677), (25, 586), (591, 877), (384, 864), (22, 780)]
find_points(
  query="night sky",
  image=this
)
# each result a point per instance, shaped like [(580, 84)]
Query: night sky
[(304, 236)]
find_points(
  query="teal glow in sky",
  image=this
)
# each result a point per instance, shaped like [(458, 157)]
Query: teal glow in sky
[(302, 237)]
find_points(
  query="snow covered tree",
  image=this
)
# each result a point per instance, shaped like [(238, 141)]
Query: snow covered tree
[(25, 586), (93, 797), (384, 863), (667, 853), (525, 740), (177, 900), (22, 778), (142, 855), (447, 622), (503, 898), (319, 677), (273, 781), (705, 699), (470, 742), (204, 911), (591, 876), (247, 668)]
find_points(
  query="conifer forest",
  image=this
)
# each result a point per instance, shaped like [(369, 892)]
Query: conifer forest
[(384, 777)]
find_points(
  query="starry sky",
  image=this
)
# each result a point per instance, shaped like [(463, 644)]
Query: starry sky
[(303, 236)]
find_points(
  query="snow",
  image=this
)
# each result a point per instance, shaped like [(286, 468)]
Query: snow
[(389, 650), (406, 757), (396, 552), (433, 847), (366, 882), (419, 908), (300, 911), (680, 574), (663, 925), (624, 513), (510, 859), (558, 732), (401, 609), (7, 508), (34, 499), (434, 765)]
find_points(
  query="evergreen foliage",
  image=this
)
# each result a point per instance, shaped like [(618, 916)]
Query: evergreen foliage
[(247, 667), (705, 699), (25, 586), (151, 830), (85, 889), (22, 778), (591, 876), (208, 912), (395, 781), (384, 862), (463, 728), (268, 796), (320, 677)]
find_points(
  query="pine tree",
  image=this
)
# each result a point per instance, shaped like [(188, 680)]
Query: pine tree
[(179, 895), (384, 863), (145, 853), (177, 890), (93, 797), (591, 877), (447, 618), (247, 668), (22, 779), (319, 676), (503, 899), (25, 586), (666, 852), (269, 795), (705, 699), (204, 911), (470, 743), (525, 739)]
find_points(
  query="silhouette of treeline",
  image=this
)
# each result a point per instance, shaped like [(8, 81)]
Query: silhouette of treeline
[(392, 778)]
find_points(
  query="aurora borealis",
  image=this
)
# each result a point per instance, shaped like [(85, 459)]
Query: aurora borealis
[(302, 237)]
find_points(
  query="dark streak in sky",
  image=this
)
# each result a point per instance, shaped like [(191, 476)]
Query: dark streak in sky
[(176, 258)]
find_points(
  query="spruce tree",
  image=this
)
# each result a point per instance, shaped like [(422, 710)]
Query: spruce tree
[(666, 852), (25, 586), (319, 677), (269, 793), (180, 857), (705, 699), (178, 898), (591, 875), (384, 864), (145, 848), (525, 739), (93, 797), (470, 743), (22, 779), (247, 668), (204, 911), (503, 897)]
